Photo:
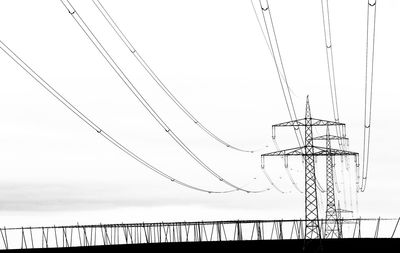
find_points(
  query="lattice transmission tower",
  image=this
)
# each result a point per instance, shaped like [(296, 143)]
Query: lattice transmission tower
[(308, 152), (332, 225)]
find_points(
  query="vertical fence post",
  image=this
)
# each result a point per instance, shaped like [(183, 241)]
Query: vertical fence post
[(394, 231), (23, 239), (30, 231), (377, 227), (4, 237)]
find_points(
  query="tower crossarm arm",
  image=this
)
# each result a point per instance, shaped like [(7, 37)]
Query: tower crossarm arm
[(322, 122), (314, 122), (330, 137), (321, 151), (293, 123), (286, 152), (318, 151)]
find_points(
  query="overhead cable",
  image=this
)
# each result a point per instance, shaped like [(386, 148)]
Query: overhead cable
[(369, 74), (155, 77), (274, 49), (272, 43), (332, 79), (330, 63), (292, 180), (93, 125), (335, 180), (270, 29), (268, 177), (286, 166), (78, 19), (344, 185), (260, 25)]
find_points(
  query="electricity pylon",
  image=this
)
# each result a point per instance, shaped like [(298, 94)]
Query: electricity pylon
[(339, 212), (309, 152), (332, 227)]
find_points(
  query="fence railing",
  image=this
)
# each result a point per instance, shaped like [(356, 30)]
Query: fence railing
[(137, 233)]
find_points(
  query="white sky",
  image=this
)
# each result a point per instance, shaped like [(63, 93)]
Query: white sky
[(212, 56)]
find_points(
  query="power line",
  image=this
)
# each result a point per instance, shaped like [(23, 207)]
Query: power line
[(276, 55), (369, 74), (332, 78), (332, 85), (292, 180), (268, 177), (330, 63), (279, 65), (261, 27), (350, 185), (344, 185), (335, 180), (286, 168), (93, 125), (139, 96), (154, 76), (329, 57), (281, 75)]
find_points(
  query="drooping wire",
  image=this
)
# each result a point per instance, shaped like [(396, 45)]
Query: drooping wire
[(261, 27), (292, 180), (369, 74), (332, 80), (93, 125), (72, 11), (331, 68), (330, 62), (350, 184), (276, 55), (358, 186), (273, 43), (335, 180), (357, 206), (286, 90), (286, 166), (155, 77), (344, 185), (275, 144), (319, 186), (320, 202), (268, 177), (333, 91)]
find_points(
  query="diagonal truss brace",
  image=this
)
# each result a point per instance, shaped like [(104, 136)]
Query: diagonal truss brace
[(332, 137), (318, 151), (311, 123)]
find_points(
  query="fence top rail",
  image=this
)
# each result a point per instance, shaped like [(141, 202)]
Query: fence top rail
[(188, 223)]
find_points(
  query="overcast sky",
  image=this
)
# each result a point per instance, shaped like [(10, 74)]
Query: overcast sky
[(212, 56)]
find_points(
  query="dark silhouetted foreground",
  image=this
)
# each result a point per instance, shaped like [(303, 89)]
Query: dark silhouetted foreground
[(327, 245)]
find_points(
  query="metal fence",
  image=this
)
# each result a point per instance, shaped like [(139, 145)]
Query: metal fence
[(137, 233)]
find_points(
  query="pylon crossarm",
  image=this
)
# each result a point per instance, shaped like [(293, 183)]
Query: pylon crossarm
[(330, 137), (322, 151), (314, 122), (286, 152), (295, 123), (343, 211), (318, 151), (322, 122)]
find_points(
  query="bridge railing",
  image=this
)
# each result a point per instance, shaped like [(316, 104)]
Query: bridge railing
[(169, 232)]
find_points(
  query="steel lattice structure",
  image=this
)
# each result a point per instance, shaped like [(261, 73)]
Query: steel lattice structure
[(309, 151), (332, 227)]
